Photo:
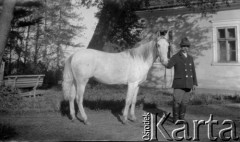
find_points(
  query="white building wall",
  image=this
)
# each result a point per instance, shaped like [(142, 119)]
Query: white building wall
[(199, 30)]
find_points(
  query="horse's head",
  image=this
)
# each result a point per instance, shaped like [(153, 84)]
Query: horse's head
[(163, 47)]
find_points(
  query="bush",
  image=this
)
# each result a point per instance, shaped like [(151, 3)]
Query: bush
[(234, 98), (9, 102)]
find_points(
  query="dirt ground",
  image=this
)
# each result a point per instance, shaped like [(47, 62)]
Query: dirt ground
[(105, 125)]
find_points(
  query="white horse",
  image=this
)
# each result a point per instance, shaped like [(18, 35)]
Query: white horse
[(128, 67)]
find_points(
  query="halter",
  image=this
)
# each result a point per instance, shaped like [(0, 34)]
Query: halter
[(168, 56), (169, 47)]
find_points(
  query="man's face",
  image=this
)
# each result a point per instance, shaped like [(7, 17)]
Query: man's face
[(185, 49)]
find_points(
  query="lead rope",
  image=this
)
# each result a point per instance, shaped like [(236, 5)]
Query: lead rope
[(165, 78), (165, 72)]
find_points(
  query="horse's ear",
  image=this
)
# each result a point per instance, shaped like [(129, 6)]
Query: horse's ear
[(167, 35)]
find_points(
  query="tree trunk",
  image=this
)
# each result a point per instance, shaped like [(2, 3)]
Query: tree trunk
[(98, 39), (109, 14), (5, 24), (23, 2), (45, 38), (36, 45), (100, 34), (26, 45), (58, 40), (10, 62)]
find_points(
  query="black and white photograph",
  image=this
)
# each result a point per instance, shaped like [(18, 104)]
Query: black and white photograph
[(120, 70)]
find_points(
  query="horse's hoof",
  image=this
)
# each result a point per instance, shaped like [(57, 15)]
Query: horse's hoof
[(72, 118), (124, 121), (87, 123), (133, 119)]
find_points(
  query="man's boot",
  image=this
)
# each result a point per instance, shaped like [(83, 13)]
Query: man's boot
[(175, 108), (182, 111)]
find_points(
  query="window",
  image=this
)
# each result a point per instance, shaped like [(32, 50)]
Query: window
[(226, 49)]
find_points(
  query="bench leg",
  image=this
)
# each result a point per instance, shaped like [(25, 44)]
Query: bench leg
[(34, 92)]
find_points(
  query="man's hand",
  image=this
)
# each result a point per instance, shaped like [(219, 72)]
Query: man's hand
[(194, 87), (193, 92)]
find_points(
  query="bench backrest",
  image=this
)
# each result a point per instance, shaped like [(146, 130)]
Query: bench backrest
[(24, 81)]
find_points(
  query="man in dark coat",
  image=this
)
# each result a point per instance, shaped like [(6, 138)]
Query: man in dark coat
[(184, 81)]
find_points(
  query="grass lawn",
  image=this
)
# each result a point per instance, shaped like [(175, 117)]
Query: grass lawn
[(45, 117)]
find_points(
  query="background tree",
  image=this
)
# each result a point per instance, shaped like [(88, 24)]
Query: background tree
[(37, 35), (6, 17), (5, 22), (17, 52), (40, 29), (58, 29), (117, 19)]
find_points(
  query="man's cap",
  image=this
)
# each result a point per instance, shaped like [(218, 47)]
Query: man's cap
[(185, 42)]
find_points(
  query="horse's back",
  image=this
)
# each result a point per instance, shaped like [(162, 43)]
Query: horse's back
[(92, 55), (83, 62), (110, 68)]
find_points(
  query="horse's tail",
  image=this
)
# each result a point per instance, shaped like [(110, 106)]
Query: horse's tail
[(67, 79)]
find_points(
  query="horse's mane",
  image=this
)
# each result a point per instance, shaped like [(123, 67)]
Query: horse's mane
[(144, 49)]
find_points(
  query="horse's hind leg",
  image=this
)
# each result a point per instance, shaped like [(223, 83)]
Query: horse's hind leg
[(71, 102), (134, 99), (80, 92)]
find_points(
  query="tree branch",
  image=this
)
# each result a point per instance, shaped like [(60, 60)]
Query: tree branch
[(36, 3)]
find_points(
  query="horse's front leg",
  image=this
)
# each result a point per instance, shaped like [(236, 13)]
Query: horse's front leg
[(130, 94), (134, 100)]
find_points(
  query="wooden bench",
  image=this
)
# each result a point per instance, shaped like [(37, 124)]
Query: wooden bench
[(24, 81)]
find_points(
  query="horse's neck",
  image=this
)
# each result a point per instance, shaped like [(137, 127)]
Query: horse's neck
[(147, 53), (152, 53)]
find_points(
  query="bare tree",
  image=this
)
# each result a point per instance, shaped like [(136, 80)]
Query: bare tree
[(7, 16), (5, 23)]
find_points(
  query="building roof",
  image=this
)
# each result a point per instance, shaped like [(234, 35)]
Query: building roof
[(174, 4)]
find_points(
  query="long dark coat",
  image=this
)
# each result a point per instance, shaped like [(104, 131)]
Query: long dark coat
[(184, 71)]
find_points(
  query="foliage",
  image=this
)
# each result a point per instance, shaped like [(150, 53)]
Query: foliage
[(9, 101), (119, 24), (125, 29), (234, 98), (205, 6), (38, 36), (58, 29)]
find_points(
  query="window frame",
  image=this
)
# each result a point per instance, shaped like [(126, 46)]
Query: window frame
[(226, 41), (225, 25)]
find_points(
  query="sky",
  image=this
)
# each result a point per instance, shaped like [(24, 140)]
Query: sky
[(90, 22)]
